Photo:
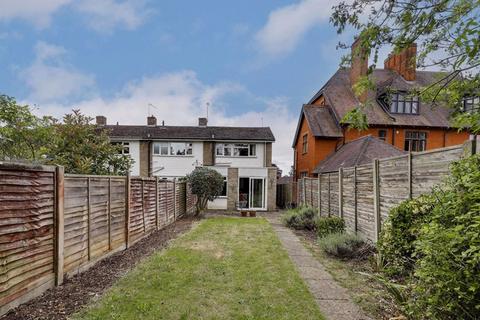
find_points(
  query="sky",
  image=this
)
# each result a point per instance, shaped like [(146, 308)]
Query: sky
[(253, 62)]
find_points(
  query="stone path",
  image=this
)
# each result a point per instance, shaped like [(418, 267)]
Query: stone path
[(333, 300)]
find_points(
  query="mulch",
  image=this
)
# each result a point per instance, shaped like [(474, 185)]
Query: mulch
[(63, 301)]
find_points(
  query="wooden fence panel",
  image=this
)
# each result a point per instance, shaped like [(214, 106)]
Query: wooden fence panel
[(393, 183), (149, 205), (137, 214), (180, 199), (27, 206), (365, 210), (191, 201), (333, 194), (99, 217), (117, 213), (324, 197), (349, 198), (431, 167)]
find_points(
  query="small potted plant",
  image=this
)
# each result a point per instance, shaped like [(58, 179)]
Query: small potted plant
[(253, 213), (243, 213)]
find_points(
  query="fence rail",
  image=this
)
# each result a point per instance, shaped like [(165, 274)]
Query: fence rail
[(54, 224), (363, 195)]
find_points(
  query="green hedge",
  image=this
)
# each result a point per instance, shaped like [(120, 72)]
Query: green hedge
[(300, 218), (328, 225)]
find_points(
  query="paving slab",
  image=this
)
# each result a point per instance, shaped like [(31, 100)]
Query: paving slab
[(332, 299)]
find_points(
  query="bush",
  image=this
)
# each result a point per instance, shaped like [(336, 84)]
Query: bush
[(300, 218), (447, 273), (206, 184), (329, 225), (396, 242), (345, 246)]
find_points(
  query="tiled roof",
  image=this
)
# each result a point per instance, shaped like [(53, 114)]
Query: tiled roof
[(357, 152), (321, 121), (190, 133), (340, 97)]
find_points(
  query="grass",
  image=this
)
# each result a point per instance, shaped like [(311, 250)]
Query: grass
[(367, 292), (225, 268)]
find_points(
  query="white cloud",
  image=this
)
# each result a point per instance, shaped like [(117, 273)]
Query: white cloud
[(287, 25), (105, 15), (37, 12), (50, 78), (179, 99), (101, 15)]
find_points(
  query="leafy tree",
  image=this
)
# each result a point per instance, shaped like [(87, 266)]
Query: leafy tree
[(206, 184), (448, 34), (22, 134), (81, 147)]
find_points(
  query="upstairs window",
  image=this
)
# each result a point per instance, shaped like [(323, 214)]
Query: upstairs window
[(236, 150), (305, 143), (404, 103), (471, 104), (415, 141), (173, 148), (122, 147)]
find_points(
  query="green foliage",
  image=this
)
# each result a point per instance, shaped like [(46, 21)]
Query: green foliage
[(356, 119), (22, 134), (341, 245), (75, 144), (446, 280), (206, 184), (328, 225), (447, 33), (396, 242), (302, 218)]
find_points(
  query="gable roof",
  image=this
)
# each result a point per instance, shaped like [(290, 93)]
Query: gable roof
[(190, 133), (340, 97), (357, 152), (320, 120)]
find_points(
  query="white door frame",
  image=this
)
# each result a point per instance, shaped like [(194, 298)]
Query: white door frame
[(250, 187)]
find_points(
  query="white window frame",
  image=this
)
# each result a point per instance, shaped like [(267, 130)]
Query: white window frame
[(228, 150), (124, 145), (161, 145)]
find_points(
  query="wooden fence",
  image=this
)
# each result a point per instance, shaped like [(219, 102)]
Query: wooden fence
[(54, 224), (363, 195)]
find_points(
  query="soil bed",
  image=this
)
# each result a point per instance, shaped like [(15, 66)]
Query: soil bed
[(79, 290)]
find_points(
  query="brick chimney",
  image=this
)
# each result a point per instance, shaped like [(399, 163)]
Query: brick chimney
[(404, 62), (202, 122), (151, 121), (101, 120), (359, 67)]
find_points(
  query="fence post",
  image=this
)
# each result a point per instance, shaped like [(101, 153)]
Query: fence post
[(329, 208), (340, 192), (109, 208), (59, 224), (376, 199), (410, 173), (89, 212), (319, 201), (174, 199), (355, 197), (157, 205), (127, 209)]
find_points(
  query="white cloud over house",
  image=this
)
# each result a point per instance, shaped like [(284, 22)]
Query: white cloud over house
[(50, 78), (286, 26), (179, 99), (101, 15)]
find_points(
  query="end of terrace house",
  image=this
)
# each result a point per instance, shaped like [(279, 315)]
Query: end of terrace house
[(242, 155)]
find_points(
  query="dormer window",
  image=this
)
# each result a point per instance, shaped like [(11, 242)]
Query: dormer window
[(471, 104), (404, 103)]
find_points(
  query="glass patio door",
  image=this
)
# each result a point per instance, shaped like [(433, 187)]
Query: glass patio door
[(257, 193)]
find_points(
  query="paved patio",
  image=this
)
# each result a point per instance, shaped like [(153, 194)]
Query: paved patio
[(333, 300)]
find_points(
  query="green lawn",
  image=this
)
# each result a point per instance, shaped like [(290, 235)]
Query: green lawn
[(225, 268)]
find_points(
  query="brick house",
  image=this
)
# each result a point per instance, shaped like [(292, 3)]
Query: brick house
[(242, 155), (394, 115)]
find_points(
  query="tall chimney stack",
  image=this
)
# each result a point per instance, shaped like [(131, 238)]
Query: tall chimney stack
[(202, 122), (359, 67), (101, 120), (151, 121), (405, 62)]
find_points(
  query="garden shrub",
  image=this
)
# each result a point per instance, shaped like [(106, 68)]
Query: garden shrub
[(300, 218), (329, 225), (344, 245), (396, 242), (447, 273)]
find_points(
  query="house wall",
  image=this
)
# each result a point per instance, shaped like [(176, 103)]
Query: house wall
[(135, 155), (221, 203), (177, 166)]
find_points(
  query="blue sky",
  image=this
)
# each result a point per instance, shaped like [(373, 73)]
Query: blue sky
[(254, 62)]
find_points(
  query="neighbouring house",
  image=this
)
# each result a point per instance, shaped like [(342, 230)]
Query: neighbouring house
[(242, 155), (357, 152), (393, 115)]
